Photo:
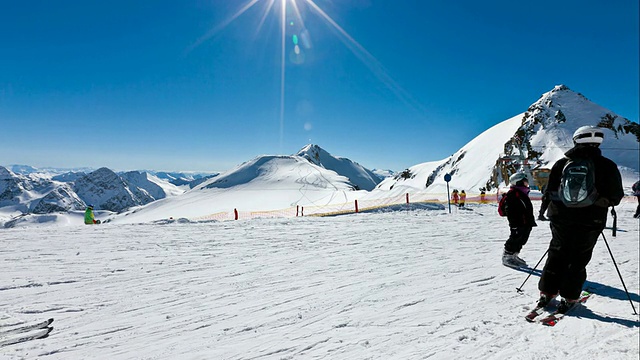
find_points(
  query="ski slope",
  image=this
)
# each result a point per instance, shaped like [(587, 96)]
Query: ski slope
[(418, 284)]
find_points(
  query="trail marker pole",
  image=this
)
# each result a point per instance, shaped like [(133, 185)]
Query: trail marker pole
[(447, 178)]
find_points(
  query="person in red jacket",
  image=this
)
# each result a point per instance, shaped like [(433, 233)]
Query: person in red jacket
[(455, 196), (520, 215)]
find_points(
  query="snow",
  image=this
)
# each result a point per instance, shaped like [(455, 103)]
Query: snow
[(474, 161), (168, 281), (321, 183), (397, 285), (472, 166)]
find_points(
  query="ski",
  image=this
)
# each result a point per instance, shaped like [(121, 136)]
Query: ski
[(553, 318), (539, 310), (533, 314), (39, 334), (26, 328)]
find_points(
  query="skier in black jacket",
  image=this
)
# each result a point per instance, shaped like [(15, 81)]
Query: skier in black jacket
[(520, 215), (574, 230)]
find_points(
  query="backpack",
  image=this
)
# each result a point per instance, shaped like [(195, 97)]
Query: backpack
[(577, 184), (502, 205)]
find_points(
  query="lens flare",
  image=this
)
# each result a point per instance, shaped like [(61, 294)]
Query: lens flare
[(211, 33), (301, 40), (369, 60)]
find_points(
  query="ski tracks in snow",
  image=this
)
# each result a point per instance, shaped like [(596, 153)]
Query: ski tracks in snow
[(406, 285)]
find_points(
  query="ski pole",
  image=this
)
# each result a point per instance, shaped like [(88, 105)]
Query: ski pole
[(620, 275), (532, 270)]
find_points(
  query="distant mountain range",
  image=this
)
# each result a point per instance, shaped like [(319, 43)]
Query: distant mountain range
[(529, 141), (69, 175), (25, 189), (41, 193)]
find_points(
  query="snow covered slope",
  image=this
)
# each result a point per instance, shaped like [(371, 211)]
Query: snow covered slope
[(403, 285), (313, 177), (280, 171), (190, 179), (264, 183), (540, 136), (470, 167), (358, 175)]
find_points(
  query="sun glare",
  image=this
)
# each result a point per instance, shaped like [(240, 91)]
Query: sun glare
[(291, 14)]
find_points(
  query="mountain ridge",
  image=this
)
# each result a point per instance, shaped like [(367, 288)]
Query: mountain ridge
[(529, 141), (533, 139)]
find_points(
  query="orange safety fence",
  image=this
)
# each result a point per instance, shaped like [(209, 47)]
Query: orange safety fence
[(221, 216), (360, 206)]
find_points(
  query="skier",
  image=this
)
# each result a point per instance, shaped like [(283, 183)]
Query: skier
[(575, 230), (520, 215), (463, 198), (455, 196), (636, 193), (89, 217)]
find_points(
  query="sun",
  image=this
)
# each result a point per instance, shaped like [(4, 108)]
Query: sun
[(289, 12)]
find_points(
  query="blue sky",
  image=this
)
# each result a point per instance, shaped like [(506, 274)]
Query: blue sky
[(186, 85)]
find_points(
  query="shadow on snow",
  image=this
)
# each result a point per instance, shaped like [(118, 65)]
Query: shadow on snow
[(600, 290)]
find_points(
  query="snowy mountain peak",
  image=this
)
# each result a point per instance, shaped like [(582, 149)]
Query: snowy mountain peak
[(533, 140), (548, 125), (560, 88), (361, 177), (5, 173), (106, 190), (314, 154), (23, 169)]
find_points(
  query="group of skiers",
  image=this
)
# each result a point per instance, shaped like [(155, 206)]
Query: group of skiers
[(576, 221), (459, 198)]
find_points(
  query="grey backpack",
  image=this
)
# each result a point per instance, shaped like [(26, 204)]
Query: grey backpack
[(577, 185)]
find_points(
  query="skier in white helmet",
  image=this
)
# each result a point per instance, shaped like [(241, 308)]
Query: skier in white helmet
[(521, 220), (582, 186)]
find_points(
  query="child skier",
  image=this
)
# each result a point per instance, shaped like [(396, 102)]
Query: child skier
[(520, 215)]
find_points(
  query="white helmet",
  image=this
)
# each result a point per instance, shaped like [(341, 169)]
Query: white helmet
[(513, 179), (588, 135)]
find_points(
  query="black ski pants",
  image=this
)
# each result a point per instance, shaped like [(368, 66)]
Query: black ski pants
[(517, 239), (570, 251)]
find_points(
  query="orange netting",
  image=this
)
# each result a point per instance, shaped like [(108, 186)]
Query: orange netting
[(360, 206)]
